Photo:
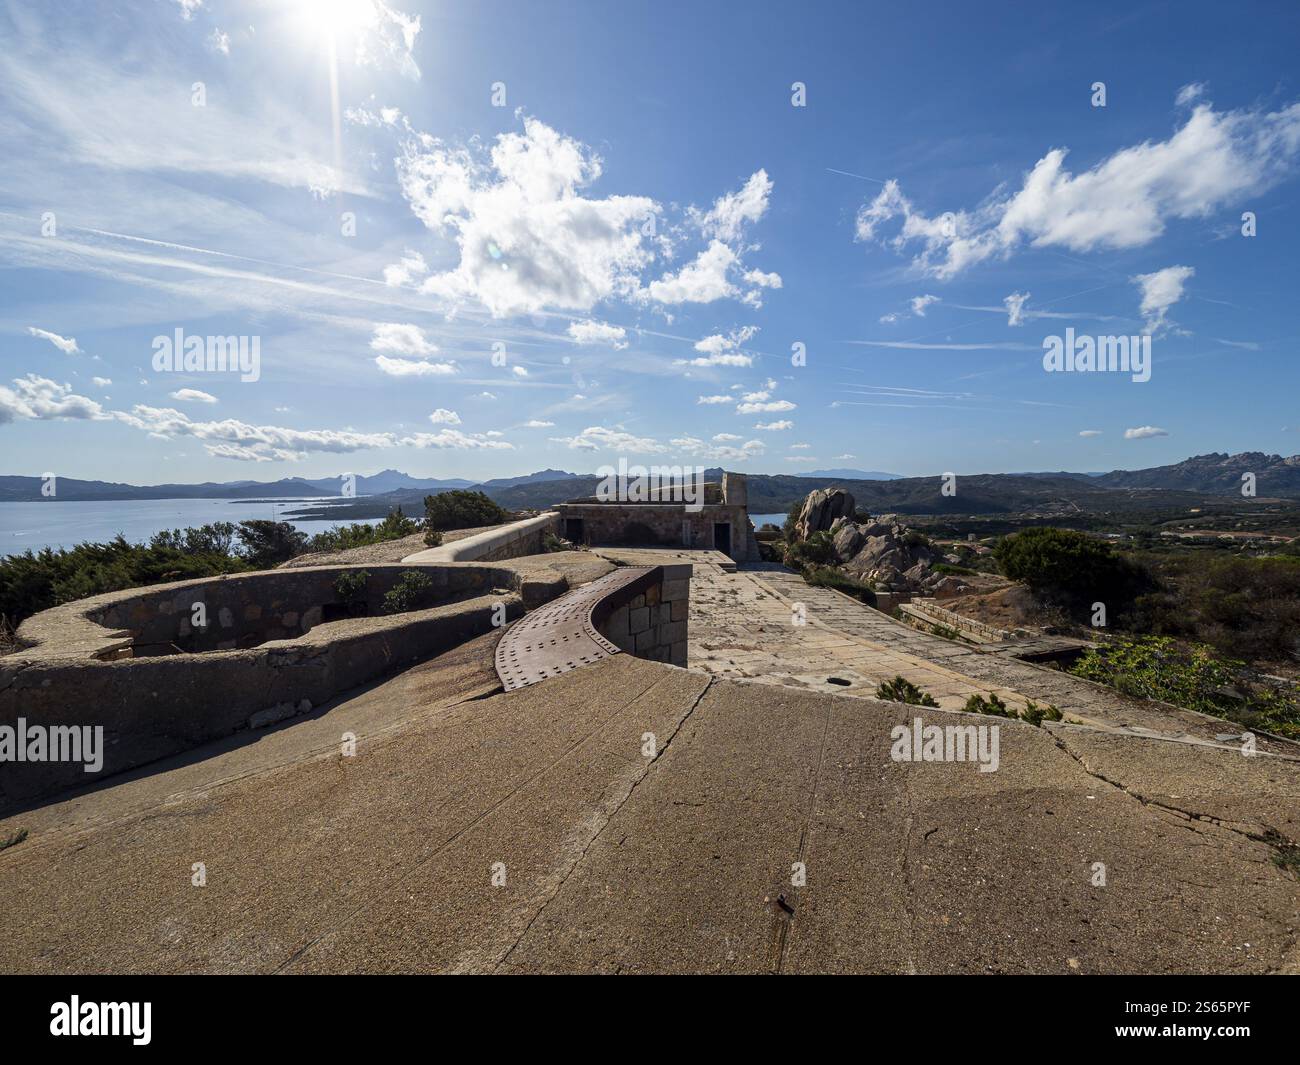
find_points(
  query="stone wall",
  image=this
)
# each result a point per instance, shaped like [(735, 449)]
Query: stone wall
[(80, 666), (653, 624), (659, 525)]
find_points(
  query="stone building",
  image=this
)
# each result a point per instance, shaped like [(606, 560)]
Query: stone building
[(719, 519)]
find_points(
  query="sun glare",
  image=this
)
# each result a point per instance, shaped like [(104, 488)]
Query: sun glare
[(336, 19)]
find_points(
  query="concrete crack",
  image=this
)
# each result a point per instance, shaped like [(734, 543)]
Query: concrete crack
[(649, 768)]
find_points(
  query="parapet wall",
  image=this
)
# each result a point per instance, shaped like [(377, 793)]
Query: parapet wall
[(509, 541), (80, 665)]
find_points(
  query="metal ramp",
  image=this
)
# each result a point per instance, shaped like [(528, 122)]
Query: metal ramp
[(563, 635)]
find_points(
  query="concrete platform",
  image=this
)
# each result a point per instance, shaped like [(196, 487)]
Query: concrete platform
[(635, 817)]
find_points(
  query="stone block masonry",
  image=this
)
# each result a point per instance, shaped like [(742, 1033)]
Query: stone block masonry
[(653, 624)]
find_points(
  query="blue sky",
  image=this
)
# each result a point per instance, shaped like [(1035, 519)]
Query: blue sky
[(626, 206)]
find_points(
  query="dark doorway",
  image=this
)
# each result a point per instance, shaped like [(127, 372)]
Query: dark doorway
[(573, 531), (722, 536)]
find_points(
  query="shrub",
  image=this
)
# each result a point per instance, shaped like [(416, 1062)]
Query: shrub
[(902, 690), (1072, 570), (342, 537), (32, 582), (993, 706), (432, 538), (410, 592), (265, 544), (1036, 715), (1194, 677), (350, 586), (817, 550), (830, 577), (461, 509)]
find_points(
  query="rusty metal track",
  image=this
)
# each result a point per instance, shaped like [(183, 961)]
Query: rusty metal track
[(562, 635)]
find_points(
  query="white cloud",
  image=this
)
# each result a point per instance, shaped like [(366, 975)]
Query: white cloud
[(219, 41), (67, 345), (485, 395), (1160, 291), (410, 267), (1090, 432), (455, 440), (40, 399), (726, 438), (1015, 304), (890, 318), (519, 371), (701, 281), (401, 339), (733, 211), (920, 303), (593, 332), (775, 427), (409, 342), (414, 367), (1143, 432), (528, 238), (719, 350), (600, 438), (102, 382), (845, 457), (192, 395), (1189, 93), (1125, 201), (714, 400), (443, 416), (536, 423), (188, 7), (800, 447), (773, 407)]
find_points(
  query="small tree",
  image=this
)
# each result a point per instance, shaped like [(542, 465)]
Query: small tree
[(461, 509), (268, 543), (1071, 569)]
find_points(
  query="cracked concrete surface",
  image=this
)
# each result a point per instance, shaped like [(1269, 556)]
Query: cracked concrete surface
[(384, 861), (615, 862)]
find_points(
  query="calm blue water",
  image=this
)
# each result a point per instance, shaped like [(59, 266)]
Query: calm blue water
[(55, 523)]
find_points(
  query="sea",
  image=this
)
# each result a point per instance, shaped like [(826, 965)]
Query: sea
[(66, 523)]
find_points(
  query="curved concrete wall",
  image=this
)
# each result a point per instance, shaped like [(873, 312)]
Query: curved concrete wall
[(77, 672), (509, 541)]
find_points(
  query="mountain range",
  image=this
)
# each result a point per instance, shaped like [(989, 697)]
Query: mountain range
[(1214, 474)]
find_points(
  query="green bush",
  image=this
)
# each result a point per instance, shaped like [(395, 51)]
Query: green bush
[(265, 544), (461, 509), (350, 585), (902, 690), (993, 706), (35, 581), (342, 537), (1036, 715), (432, 538), (830, 577), (1072, 570), (410, 592), (1247, 608), (817, 550), (1194, 677)]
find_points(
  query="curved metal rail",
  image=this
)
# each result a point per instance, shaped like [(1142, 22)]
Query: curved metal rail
[(562, 635)]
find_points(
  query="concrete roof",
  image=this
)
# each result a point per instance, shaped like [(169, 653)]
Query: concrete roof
[(615, 862)]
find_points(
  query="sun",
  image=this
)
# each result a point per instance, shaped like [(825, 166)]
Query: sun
[(337, 19)]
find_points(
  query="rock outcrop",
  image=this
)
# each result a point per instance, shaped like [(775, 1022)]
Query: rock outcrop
[(821, 509)]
